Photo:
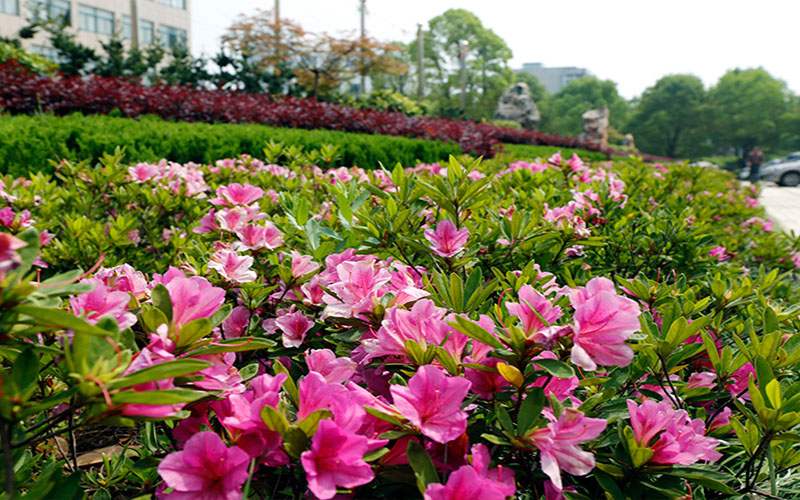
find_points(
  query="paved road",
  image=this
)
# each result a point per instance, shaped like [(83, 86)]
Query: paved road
[(783, 205)]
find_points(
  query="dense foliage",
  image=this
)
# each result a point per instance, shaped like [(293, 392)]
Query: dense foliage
[(23, 92), (459, 330), (30, 142)]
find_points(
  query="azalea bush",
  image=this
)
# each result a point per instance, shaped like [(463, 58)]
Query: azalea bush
[(539, 329)]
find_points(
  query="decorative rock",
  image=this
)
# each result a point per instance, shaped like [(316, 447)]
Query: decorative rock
[(516, 104), (595, 126)]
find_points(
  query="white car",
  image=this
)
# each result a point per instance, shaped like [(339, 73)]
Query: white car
[(783, 171)]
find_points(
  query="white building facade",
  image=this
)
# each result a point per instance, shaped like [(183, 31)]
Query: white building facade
[(167, 22)]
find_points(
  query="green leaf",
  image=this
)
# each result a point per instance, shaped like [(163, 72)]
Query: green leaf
[(383, 416), (234, 345), (169, 369), (162, 397), (193, 331), (422, 465), (55, 318), (311, 422), (289, 386), (221, 315), (162, 301), (25, 372), (555, 367), (703, 477), (274, 419), (770, 321), (773, 391), (476, 332), (530, 410)]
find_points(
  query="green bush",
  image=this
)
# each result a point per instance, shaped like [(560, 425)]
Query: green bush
[(34, 62), (28, 142), (528, 152)]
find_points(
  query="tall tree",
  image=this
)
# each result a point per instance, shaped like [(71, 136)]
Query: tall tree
[(486, 61), (750, 108), (670, 118), (582, 95)]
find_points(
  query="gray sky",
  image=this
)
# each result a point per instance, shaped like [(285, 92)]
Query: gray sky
[(632, 42)]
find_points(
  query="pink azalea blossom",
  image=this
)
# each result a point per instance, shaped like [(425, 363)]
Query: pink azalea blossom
[(294, 326), (559, 443), (143, 172), (232, 266), (432, 402), (208, 223), (357, 285), (447, 241), (9, 258), (531, 308), (681, 440), (157, 352), (102, 302), (254, 237), (475, 481), (124, 278), (193, 298), (236, 324), (316, 393), (302, 264), (335, 370), (603, 321), (236, 194), (336, 459), (206, 469), (721, 254)]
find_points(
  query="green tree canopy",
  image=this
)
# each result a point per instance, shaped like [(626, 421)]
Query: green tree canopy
[(750, 108), (487, 59), (670, 118), (582, 95)]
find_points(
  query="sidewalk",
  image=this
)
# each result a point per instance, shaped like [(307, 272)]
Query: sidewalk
[(783, 205)]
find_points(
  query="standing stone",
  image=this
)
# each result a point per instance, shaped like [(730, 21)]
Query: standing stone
[(595, 126), (628, 141), (516, 105)]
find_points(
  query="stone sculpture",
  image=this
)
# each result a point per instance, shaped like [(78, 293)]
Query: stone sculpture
[(595, 126), (516, 104)]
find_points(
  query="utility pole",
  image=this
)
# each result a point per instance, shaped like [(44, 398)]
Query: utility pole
[(277, 11), (134, 25), (363, 76), (277, 29), (420, 63), (463, 47)]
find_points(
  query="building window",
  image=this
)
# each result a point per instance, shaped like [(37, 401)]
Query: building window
[(178, 4), (46, 51), (171, 37), (42, 10), (146, 30), (9, 7), (95, 20)]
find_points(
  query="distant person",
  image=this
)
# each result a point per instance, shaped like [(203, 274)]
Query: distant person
[(754, 161)]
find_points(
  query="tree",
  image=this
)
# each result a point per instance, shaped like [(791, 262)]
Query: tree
[(486, 59), (750, 109), (582, 95), (670, 118)]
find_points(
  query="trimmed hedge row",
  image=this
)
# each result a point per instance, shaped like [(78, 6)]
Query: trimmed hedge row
[(28, 142), (526, 152)]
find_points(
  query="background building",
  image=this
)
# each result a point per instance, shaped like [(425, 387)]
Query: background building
[(554, 79), (95, 21)]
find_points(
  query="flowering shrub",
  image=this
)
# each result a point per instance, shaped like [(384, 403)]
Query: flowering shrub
[(547, 328), (23, 92)]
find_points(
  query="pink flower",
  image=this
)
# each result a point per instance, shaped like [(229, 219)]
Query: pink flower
[(681, 441), (335, 370), (356, 285), (143, 171), (205, 469), (533, 306), (294, 326), (253, 237), (193, 298), (446, 241), (9, 258), (336, 459), (208, 223), (603, 321), (432, 402), (236, 324), (316, 393), (721, 254), (558, 444), (102, 302), (232, 266), (302, 264), (124, 278), (475, 481), (157, 352), (236, 194)]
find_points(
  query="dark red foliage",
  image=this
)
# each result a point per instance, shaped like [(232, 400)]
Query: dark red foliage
[(22, 92)]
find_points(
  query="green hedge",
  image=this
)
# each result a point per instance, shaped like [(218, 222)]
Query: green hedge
[(528, 152), (28, 142)]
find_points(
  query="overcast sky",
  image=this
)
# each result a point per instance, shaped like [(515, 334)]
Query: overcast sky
[(632, 42)]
